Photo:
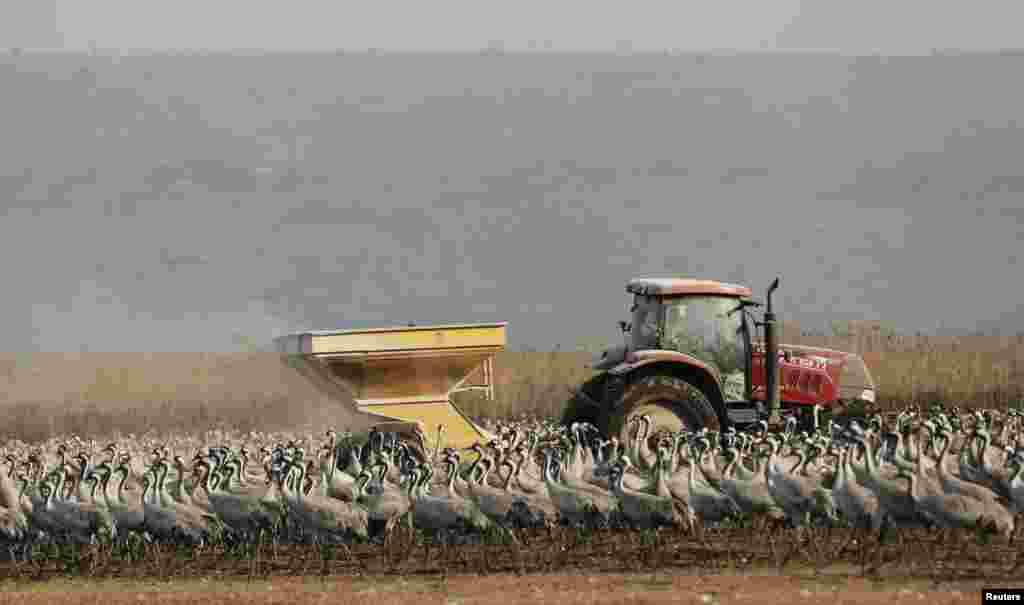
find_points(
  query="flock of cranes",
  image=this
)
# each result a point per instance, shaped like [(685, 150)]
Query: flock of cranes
[(946, 470)]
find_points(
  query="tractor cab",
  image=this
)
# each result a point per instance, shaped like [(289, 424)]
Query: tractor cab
[(702, 319)]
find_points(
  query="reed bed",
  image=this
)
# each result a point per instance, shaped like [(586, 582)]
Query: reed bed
[(972, 371)]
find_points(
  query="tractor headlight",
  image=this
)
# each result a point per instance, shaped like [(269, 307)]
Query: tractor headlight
[(868, 395)]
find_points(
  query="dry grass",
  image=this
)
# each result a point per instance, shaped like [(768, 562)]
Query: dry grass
[(973, 371), (98, 394), (534, 384)]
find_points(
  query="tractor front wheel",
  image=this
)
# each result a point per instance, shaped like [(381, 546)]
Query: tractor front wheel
[(671, 403), (585, 404)]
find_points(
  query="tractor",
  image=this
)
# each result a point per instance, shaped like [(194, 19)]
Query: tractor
[(692, 361)]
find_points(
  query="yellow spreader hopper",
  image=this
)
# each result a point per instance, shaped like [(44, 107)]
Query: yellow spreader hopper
[(408, 374)]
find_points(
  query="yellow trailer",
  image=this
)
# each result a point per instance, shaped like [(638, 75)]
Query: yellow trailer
[(405, 376)]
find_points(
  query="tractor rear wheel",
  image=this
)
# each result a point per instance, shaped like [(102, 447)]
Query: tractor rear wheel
[(672, 404)]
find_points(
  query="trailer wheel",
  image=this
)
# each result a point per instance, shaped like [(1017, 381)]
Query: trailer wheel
[(672, 403)]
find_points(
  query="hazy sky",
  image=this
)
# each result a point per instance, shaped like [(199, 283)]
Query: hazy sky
[(179, 203), (898, 27)]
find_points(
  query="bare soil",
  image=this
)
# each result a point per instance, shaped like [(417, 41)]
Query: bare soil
[(767, 565), (500, 589)]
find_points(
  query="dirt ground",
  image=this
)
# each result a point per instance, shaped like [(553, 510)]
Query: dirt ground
[(606, 565), (564, 589)]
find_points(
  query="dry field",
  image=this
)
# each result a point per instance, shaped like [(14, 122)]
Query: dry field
[(43, 394), (100, 394), (565, 589), (94, 394), (974, 371), (565, 565)]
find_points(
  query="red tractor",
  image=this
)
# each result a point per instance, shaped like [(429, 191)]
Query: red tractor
[(692, 361)]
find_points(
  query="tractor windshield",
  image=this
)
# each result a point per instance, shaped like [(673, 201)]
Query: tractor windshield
[(702, 327)]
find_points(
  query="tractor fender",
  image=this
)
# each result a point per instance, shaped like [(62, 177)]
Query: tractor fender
[(609, 358), (696, 372)]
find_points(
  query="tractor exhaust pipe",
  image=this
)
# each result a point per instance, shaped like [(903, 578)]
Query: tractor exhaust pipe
[(771, 354)]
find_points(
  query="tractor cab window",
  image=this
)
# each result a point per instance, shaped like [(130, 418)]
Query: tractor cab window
[(646, 319), (702, 327)]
